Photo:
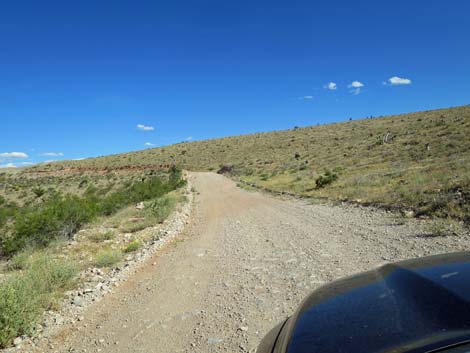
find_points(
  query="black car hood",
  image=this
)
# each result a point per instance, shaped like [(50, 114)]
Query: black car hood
[(410, 306)]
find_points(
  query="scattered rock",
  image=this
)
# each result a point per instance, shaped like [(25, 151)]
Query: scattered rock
[(17, 341), (214, 340), (80, 298), (78, 301), (408, 213)]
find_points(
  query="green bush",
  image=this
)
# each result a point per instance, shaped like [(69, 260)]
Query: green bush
[(50, 274), (175, 177), (325, 179), (160, 208), (18, 309), (38, 191), (24, 296), (63, 215), (59, 216), (132, 246), (107, 257), (7, 211)]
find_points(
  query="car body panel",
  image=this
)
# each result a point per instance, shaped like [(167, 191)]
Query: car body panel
[(412, 306)]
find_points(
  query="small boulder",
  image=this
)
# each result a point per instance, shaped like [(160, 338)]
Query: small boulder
[(17, 341), (78, 301), (408, 214)]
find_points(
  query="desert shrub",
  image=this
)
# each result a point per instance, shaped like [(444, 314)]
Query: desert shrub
[(112, 203), (102, 236), (264, 176), (50, 274), (225, 169), (160, 208), (132, 246), (21, 260), (142, 191), (59, 216), (38, 191), (91, 191), (24, 296), (107, 257), (18, 309), (7, 211), (175, 177), (82, 183), (442, 228), (63, 215), (327, 178)]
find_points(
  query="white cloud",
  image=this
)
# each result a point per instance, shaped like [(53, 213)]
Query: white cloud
[(395, 81), (356, 84), (149, 144), (52, 154), (306, 97), (13, 155), (27, 163), (189, 138), (331, 86), (356, 87), (8, 165), (145, 127)]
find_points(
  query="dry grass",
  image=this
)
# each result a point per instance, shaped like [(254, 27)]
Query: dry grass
[(417, 160), (107, 257), (25, 294)]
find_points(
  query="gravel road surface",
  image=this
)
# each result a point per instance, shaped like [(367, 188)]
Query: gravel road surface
[(244, 262)]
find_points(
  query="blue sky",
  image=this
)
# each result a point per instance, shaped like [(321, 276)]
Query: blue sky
[(77, 78)]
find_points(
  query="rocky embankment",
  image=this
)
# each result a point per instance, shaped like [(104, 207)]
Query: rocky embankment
[(94, 284)]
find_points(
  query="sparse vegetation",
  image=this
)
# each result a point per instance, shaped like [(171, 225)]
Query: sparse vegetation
[(21, 260), (161, 207), (102, 236), (416, 160), (40, 216), (24, 295), (62, 215), (132, 246), (38, 191), (107, 257), (325, 179), (442, 228), (39, 225)]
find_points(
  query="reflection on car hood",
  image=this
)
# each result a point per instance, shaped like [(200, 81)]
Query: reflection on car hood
[(411, 306)]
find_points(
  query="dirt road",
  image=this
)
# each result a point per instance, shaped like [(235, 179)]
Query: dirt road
[(244, 263)]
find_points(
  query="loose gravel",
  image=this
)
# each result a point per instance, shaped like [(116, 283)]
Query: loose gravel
[(244, 263)]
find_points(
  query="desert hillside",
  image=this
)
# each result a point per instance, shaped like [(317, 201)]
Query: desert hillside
[(418, 160)]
